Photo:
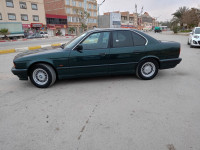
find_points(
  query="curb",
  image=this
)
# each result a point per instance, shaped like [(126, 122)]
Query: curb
[(28, 48)]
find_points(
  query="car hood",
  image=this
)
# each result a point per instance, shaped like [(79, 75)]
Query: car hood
[(40, 52)]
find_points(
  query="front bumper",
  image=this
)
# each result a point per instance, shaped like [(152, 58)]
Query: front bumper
[(169, 63), (21, 73)]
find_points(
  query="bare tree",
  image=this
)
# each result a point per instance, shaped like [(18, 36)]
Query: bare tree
[(82, 16)]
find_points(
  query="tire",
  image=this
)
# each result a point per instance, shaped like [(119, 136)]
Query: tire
[(191, 44), (188, 42), (147, 69), (42, 75)]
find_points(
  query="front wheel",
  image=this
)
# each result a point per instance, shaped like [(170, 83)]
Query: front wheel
[(147, 69), (42, 75)]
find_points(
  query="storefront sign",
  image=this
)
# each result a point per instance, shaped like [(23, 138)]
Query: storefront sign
[(36, 25), (26, 26)]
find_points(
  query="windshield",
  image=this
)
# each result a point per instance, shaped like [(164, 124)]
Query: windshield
[(74, 41), (197, 31)]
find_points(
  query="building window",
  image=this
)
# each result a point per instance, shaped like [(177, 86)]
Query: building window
[(95, 14), (0, 16), (11, 16), (95, 7), (35, 18), (74, 3), (67, 2), (80, 4), (68, 10), (69, 19), (9, 3), (22, 5), (90, 6), (56, 21), (24, 17), (34, 6), (74, 11)]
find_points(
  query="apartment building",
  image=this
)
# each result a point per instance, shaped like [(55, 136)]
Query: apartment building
[(30, 12), (67, 9)]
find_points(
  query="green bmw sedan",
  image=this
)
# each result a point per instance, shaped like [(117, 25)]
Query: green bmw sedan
[(98, 52)]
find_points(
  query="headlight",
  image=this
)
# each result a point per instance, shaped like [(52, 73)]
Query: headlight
[(196, 36)]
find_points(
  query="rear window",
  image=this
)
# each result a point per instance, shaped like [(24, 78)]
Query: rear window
[(138, 40)]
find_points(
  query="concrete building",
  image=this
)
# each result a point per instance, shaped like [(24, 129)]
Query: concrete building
[(30, 12), (127, 20), (111, 20), (67, 10)]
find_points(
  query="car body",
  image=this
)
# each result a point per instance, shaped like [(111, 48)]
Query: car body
[(194, 37), (34, 35), (98, 52), (44, 34)]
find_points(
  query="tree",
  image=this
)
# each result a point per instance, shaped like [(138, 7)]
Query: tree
[(178, 15), (72, 29), (82, 16), (191, 17), (4, 32)]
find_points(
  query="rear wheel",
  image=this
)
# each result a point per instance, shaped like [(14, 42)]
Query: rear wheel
[(42, 75), (147, 69)]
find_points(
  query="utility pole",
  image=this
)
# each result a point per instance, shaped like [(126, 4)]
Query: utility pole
[(98, 5)]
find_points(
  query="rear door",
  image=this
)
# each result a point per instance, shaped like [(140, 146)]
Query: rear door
[(124, 53)]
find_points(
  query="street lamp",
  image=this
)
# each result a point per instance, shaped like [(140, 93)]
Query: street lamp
[(98, 5)]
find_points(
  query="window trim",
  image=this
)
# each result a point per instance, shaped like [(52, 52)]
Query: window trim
[(24, 15), (34, 4), (36, 20), (12, 14), (20, 5), (10, 6)]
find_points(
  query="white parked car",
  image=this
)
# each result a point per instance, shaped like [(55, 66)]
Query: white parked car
[(194, 37), (44, 34)]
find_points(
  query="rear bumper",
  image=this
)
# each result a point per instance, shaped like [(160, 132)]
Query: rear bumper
[(21, 73), (169, 63)]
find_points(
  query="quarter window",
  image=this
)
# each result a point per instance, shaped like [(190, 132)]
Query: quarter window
[(35, 18), (96, 41), (9, 3), (34, 6), (22, 5), (122, 39), (11, 16), (138, 40), (24, 17)]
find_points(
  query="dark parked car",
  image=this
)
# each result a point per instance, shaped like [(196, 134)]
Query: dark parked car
[(34, 35), (98, 52)]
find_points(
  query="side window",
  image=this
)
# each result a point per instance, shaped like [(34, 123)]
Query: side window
[(138, 40), (96, 41), (122, 39)]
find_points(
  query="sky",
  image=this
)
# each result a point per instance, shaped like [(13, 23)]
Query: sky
[(160, 9)]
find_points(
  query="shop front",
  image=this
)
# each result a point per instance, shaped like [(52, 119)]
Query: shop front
[(32, 28), (56, 25), (56, 29)]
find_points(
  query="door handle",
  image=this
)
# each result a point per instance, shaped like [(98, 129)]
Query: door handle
[(102, 54)]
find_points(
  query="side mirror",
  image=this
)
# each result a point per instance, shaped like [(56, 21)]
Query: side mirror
[(79, 48), (62, 46)]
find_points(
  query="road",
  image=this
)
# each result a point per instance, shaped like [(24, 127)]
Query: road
[(33, 42), (104, 113)]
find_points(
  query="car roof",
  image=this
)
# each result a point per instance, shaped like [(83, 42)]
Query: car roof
[(109, 29)]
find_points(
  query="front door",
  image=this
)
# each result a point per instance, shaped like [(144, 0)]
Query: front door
[(94, 57)]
